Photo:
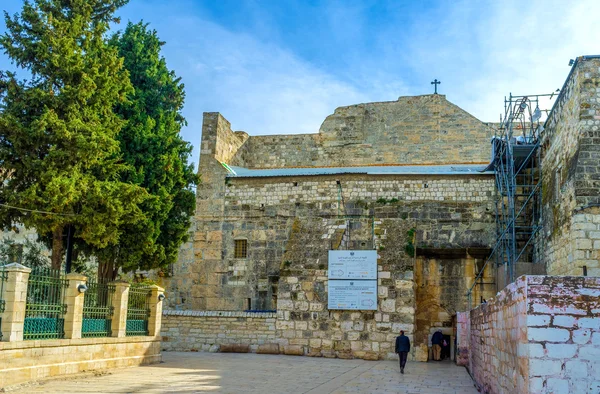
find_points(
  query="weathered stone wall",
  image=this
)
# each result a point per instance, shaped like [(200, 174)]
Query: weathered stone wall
[(498, 364), (191, 331), (304, 321), (463, 330), (441, 286), (285, 270), (25, 361), (563, 334), (540, 335), (278, 151), (417, 130), (365, 188), (571, 165), (448, 211)]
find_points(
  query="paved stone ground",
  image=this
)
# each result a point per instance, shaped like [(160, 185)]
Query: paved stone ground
[(252, 373)]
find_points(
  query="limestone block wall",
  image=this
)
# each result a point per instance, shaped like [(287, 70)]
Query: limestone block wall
[(448, 212), (571, 192), (563, 334), (441, 286), (324, 189), (540, 335), (463, 329), (417, 130), (207, 330), (25, 361), (498, 364), (304, 321), (575, 247)]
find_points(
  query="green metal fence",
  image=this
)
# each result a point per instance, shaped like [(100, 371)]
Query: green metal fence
[(138, 311), (45, 307), (3, 278), (98, 309)]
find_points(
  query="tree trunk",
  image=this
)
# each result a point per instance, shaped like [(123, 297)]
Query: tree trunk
[(57, 247), (107, 272)]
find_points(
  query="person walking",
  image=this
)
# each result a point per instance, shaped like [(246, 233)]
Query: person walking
[(402, 349), (436, 342)]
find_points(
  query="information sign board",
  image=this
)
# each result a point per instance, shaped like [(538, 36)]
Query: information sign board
[(352, 294), (352, 264)]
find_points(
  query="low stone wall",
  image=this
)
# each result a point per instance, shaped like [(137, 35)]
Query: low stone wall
[(541, 334), (25, 361), (498, 363), (208, 330)]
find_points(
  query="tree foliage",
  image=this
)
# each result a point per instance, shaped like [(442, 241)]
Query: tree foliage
[(29, 253), (156, 155), (59, 146)]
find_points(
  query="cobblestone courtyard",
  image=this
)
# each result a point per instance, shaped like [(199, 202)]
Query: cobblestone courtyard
[(251, 373)]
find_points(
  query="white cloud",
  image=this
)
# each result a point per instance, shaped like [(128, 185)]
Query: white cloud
[(480, 51), (507, 47), (259, 87)]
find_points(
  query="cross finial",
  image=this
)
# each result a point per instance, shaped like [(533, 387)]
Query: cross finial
[(435, 83)]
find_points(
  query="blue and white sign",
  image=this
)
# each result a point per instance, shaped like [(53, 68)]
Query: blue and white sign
[(352, 294), (352, 264)]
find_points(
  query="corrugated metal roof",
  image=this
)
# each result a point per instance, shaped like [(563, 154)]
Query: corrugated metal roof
[(457, 169)]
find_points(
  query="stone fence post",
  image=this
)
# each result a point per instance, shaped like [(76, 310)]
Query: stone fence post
[(74, 300), (156, 305), (120, 299), (15, 298)]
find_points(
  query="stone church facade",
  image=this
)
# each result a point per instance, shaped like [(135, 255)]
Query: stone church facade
[(406, 178)]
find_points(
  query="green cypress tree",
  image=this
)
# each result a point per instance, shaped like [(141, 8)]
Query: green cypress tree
[(156, 154), (59, 151)]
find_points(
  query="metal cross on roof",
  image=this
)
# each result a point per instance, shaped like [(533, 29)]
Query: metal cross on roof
[(435, 83)]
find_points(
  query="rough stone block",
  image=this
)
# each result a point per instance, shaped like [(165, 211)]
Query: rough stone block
[(234, 348), (576, 369), (421, 353), (539, 367), (581, 336), (590, 322), (372, 356), (268, 348), (538, 320), (589, 353), (548, 335), (388, 305), (293, 350), (345, 354), (556, 385), (564, 321), (561, 351)]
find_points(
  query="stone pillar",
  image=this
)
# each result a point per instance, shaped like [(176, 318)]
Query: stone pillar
[(156, 305), (119, 319), (74, 301), (15, 298)]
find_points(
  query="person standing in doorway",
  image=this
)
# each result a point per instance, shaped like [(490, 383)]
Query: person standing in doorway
[(402, 349), (436, 342)]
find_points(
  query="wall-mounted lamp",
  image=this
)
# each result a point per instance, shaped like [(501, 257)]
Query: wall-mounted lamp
[(571, 62), (82, 288), (161, 297)]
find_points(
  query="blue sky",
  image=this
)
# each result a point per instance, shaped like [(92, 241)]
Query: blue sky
[(280, 67)]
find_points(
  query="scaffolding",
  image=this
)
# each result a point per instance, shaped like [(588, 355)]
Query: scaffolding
[(516, 162)]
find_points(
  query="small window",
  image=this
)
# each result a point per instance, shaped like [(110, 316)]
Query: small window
[(241, 248)]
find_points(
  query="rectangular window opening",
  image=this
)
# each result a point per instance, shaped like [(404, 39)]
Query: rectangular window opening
[(241, 248)]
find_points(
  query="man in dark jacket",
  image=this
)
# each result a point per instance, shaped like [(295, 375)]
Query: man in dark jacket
[(402, 349)]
